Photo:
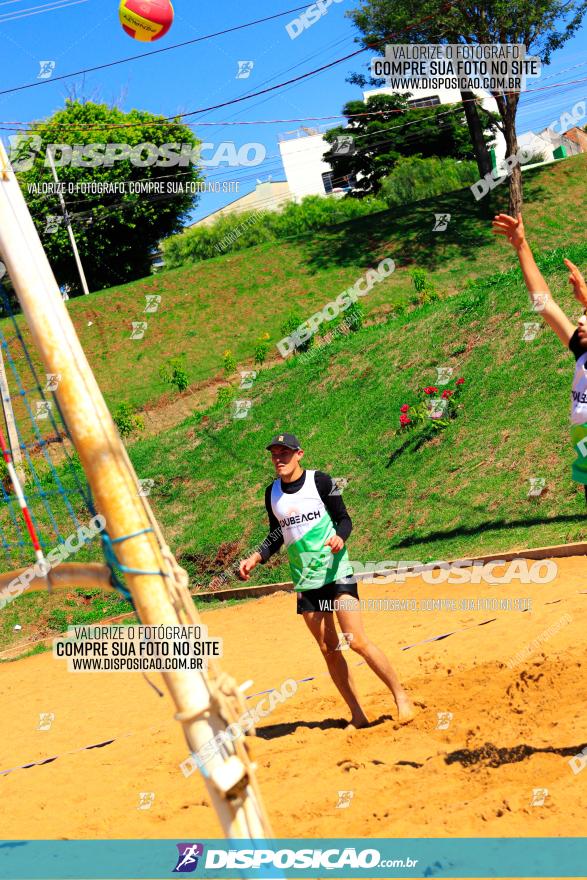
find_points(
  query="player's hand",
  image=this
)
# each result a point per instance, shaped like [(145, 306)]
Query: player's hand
[(335, 543), (247, 565), (578, 282), (512, 228)]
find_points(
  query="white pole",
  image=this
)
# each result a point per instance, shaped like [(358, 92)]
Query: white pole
[(68, 226), (10, 423)]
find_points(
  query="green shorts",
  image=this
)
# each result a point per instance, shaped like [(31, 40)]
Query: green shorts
[(579, 467)]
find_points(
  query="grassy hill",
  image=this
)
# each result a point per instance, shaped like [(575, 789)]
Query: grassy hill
[(462, 492), (228, 301)]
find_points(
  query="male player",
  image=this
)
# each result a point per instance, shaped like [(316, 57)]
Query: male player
[(307, 513)]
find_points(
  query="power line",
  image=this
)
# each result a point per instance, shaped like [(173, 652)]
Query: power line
[(53, 6), (272, 163), (178, 116), (381, 134), (11, 125), (152, 52)]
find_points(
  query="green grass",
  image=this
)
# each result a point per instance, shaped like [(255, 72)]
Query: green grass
[(42, 616), (464, 492), (229, 301)]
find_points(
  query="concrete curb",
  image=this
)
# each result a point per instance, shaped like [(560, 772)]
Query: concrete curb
[(557, 551)]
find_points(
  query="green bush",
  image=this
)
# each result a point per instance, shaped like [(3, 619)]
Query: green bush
[(424, 286), (224, 396), (23, 470), (233, 232), (261, 352), (419, 279), (229, 362), (173, 372), (127, 421), (414, 178), (354, 316), (289, 327)]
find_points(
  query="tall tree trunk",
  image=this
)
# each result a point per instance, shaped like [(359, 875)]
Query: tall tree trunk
[(507, 105), (482, 154)]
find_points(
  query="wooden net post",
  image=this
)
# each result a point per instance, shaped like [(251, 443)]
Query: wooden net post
[(205, 702)]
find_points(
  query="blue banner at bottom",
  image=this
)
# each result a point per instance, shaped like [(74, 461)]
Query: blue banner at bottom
[(369, 858)]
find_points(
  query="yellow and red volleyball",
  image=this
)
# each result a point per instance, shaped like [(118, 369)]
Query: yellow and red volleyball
[(146, 20)]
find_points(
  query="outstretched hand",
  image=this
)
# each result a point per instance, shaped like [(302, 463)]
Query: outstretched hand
[(578, 282), (512, 228)]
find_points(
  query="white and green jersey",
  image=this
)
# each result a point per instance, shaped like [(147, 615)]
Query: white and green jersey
[(306, 525), (579, 391)]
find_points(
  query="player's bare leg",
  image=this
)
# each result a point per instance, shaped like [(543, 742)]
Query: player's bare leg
[(322, 627), (351, 622)]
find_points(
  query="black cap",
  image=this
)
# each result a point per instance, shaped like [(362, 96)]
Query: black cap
[(290, 441)]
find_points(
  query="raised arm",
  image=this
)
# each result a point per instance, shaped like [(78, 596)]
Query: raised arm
[(540, 295)]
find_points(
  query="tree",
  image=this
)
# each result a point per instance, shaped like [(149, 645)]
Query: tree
[(472, 115), (116, 229), (541, 25), (392, 131)]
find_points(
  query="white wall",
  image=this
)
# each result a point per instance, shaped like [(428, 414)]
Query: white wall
[(303, 164)]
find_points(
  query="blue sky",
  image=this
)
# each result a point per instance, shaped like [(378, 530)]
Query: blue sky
[(86, 33)]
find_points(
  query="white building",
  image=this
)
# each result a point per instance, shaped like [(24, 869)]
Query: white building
[(307, 173), (548, 144)]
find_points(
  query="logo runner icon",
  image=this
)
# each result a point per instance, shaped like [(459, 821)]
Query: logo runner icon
[(187, 860)]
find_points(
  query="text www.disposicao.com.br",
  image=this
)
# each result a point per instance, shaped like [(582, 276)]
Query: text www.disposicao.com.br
[(134, 664)]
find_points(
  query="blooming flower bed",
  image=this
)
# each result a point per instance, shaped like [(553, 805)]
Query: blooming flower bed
[(434, 407)]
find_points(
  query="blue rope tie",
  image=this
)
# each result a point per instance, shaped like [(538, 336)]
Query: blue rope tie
[(107, 542)]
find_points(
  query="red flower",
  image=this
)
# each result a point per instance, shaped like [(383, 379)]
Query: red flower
[(460, 381), (404, 420), (446, 394), (404, 408), (430, 390)]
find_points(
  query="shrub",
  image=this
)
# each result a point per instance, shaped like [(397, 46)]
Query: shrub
[(414, 178), (127, 421), (424, 286), (224, 396), (233, 232), (24, 469), (173, 373), (419, 279), (289, 327), (229, 362), (354, 316), (261, 352)]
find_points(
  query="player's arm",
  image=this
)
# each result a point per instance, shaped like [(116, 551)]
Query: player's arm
[(270, 545), (337, 509), (544, 304)]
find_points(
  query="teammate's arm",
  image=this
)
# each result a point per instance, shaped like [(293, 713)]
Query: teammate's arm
[(270, 545), (337, 509), (513, 230)]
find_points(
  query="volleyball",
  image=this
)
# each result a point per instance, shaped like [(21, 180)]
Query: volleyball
[(146, 20)]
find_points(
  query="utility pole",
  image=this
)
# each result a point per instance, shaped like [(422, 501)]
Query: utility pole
[(68, 226)]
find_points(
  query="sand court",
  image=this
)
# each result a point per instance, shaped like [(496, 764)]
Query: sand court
[(495, 749)]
